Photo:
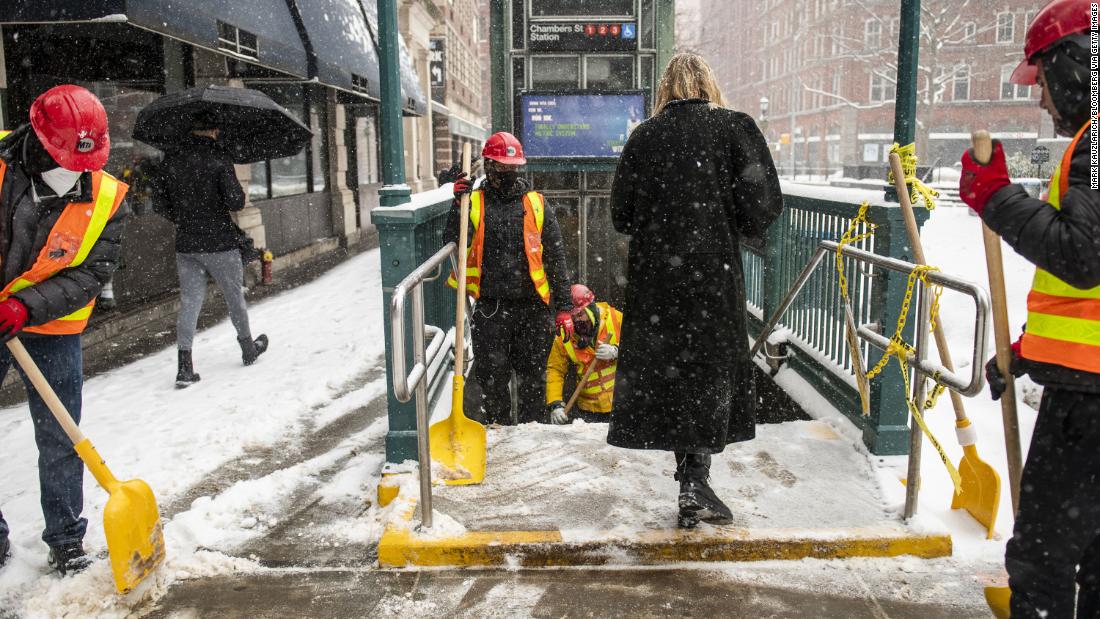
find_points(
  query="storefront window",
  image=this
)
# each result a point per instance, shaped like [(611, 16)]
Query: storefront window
[(287, 176), (317, 148)]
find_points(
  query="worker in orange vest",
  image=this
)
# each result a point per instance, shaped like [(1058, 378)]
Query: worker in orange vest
[(595, 344), (1053, 558), (61, 220), (517, 273)]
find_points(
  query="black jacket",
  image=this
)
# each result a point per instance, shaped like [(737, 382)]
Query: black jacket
[(1064, 242), (504, 269), (24, 228), (197, 189), (693, 181)]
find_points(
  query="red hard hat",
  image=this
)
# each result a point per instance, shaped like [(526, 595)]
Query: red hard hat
[(582, 297), (72, 125), (1056, 21), (503, 147)]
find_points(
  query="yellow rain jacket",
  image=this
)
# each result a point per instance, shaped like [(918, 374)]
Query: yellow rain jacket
[(596, 397)]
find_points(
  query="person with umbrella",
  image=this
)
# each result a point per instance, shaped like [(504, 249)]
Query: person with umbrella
[(197, 191), (61, 221)]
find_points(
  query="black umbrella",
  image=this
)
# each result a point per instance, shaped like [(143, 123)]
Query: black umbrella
[(253, 127)]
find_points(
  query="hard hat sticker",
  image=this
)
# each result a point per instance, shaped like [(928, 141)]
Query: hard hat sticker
[(85, 145)]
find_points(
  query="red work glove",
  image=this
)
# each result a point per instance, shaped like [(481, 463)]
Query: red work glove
[(13, 316), (462, 186), (979, 182), (564, 322)]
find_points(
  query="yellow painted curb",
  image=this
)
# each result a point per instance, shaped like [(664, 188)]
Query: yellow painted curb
[(400, 546)]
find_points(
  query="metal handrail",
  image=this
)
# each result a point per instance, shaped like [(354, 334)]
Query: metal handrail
[(917, 359), (413, 384), (968, 386)]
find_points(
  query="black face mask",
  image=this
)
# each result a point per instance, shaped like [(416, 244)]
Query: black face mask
[(502, 181)]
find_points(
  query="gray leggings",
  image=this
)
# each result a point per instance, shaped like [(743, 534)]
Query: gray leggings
[(228, 273)]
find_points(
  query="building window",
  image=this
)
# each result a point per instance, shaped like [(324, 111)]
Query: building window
[(883, 87), (1028, 18), (970, 32), (1006, 27), (240, 42), (961, 83), (1010, 90), (289, 176), (872, 34)]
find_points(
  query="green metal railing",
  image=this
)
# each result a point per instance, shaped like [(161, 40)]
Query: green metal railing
[(815, 324), (408, 236)]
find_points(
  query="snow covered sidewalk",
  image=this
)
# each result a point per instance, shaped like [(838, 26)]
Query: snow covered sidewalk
[(323, 367)]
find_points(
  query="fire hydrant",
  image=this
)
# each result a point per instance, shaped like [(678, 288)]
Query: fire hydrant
[(265, 271)]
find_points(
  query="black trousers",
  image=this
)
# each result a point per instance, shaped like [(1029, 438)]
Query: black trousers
[(1056, 543), (512, 336)]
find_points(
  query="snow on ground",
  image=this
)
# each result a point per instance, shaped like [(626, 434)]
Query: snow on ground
[(325, 338), (952, 240)]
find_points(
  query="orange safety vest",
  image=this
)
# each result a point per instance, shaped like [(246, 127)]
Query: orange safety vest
[(602, 380), (70, 241), (1063, 322), (534, 208)]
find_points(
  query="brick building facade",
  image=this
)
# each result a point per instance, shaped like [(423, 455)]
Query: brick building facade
[(827, 71)]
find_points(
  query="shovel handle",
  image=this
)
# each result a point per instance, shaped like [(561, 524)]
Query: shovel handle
[(918, 255), (580, 386), (42, 386), (460, 305), (982, 154)]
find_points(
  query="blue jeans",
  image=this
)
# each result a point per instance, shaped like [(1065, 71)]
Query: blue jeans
[(60, 471)]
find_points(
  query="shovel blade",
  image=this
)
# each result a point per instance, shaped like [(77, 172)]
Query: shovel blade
[(135, 541), (981, 489), (459, 443)]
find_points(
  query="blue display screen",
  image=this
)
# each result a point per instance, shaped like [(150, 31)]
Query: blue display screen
[(579, 125)]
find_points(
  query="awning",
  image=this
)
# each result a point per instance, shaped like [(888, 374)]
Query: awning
[(276, 45), (346, 54), (413, 100), (466, 129)]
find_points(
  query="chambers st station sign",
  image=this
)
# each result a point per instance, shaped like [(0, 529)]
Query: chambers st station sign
[(583, 37)]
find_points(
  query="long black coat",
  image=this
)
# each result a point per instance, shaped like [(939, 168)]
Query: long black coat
[(691, 183)]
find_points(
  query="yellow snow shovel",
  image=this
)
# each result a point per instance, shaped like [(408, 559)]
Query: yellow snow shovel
[(458, 442), (131, 520), (981, 485)]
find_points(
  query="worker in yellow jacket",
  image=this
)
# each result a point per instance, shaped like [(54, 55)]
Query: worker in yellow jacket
[(596, 331)]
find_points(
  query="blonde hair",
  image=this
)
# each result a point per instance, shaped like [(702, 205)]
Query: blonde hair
[(688, 76)]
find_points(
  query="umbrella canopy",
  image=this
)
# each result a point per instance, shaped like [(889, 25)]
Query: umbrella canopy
[(253, 127)]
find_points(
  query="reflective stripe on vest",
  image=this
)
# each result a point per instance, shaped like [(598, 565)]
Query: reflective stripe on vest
[(79, 220), (534, 210), (1063, 322), (603, 378)]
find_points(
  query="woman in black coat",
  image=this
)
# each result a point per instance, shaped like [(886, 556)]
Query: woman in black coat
[(693, 181)]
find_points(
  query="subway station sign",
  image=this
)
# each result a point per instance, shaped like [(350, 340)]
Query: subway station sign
[(582, 37)]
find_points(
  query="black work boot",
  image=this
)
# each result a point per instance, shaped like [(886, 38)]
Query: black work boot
[(5, 551), (252, 349), (697, 500), (69, 558), (185, 376)]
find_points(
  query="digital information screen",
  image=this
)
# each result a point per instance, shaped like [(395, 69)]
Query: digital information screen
[(581, 125)]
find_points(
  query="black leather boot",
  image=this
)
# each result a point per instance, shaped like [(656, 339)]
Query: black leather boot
[(697, 500), (185, 376), (68, 558), (252, 349)]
